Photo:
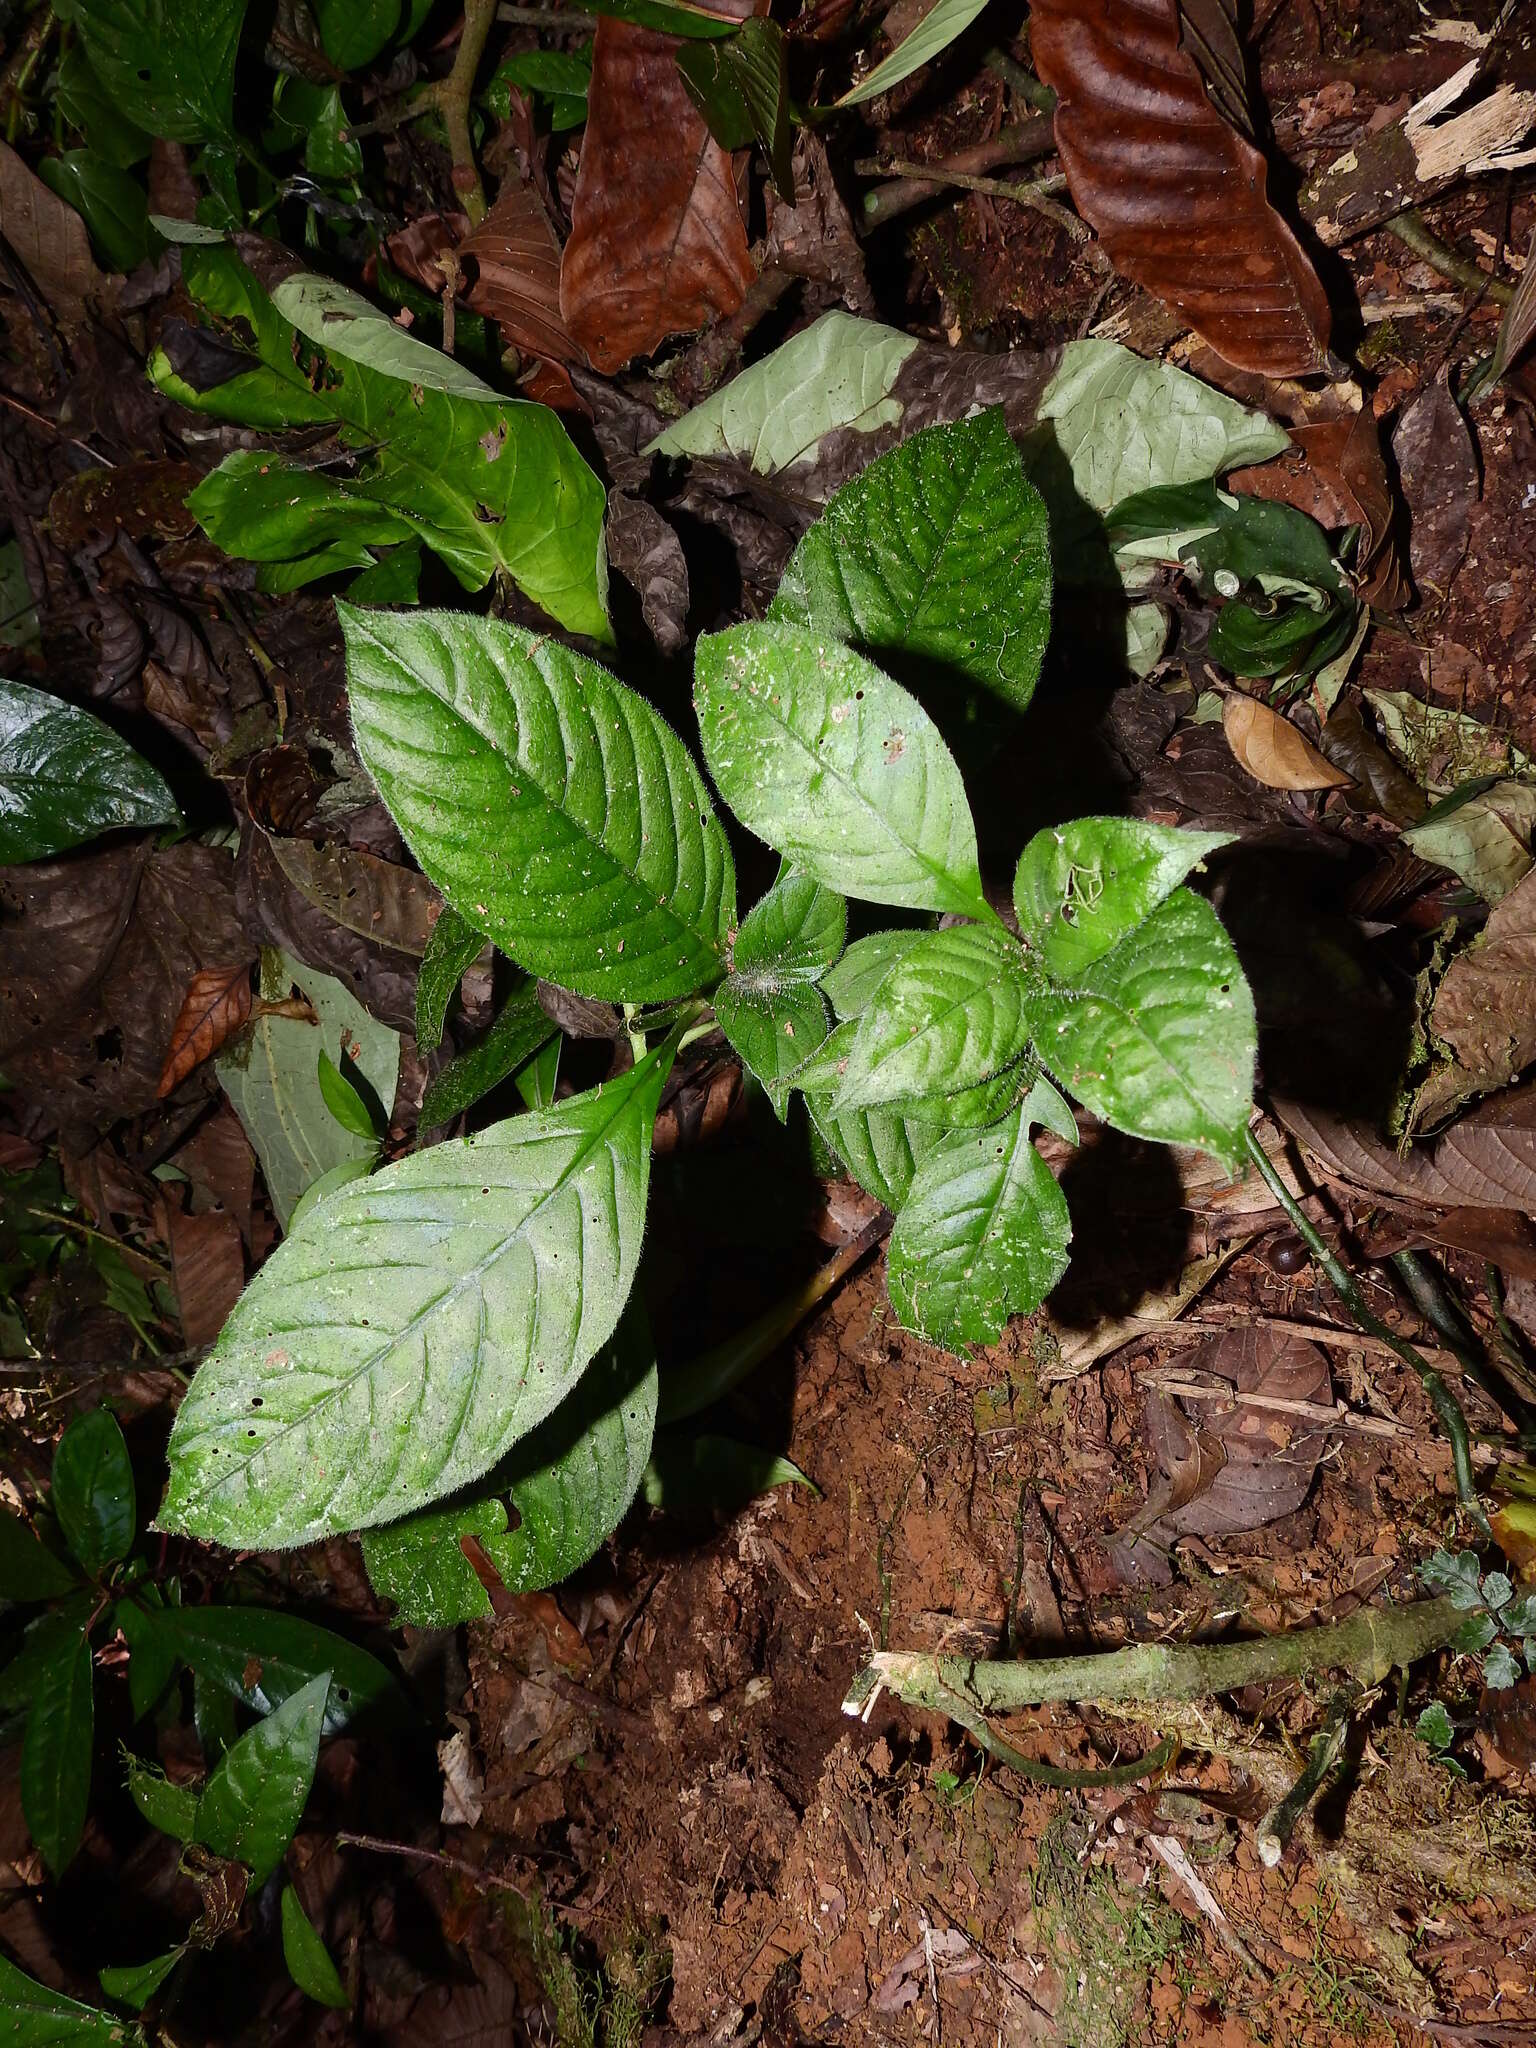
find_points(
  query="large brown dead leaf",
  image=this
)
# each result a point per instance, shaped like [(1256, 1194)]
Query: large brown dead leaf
[(511, 271), (1484, 1012), (657, 243), (1438, 465), (377, 899), (217, 1003), (48, 237), (1485, 1161), (208, 1271), (1273, 751), (1177, 195)]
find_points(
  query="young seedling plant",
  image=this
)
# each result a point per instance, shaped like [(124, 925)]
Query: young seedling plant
[(450, 1333)]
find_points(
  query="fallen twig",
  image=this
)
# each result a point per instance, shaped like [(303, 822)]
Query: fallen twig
[(1169, 1850), (1278, 1825), (1019, 143), (1035, 192)]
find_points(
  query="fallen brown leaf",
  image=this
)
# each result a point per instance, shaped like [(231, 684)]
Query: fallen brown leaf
[(1484, 1012), (1438, 465), (377, 899), (657, 243), (511, 271), (48, 237), (217, 1003), (1273, 751), (207, 1270)]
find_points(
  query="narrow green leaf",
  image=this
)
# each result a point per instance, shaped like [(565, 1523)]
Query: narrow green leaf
[(1158, 1036), (948, 1016), (939, 552), (334, 1177), (28, 1571), (453, 946), (342, 1099), (253, 1801), (261, 1657), (605, 869), (93, 1493), (169, 66), (110, 202), (89, 108), (837, 767), (308, 1958), (536, 1079), (56, 1749), (568, 1486), (1081, 887), (521, 1027), (65, 777), (172, 1808), (794, 933), (982, 1236), (418, 1324), (35, 2017), (697, 1477), (135, 1984), (944, 22)]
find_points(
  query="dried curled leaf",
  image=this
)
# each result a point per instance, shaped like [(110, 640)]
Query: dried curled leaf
[(511, 266), (1273, 751), (217, 1003), (1176, 193)]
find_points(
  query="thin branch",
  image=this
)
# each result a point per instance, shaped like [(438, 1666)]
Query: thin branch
[(1412, 231), (485, 1880), (1019, 143), (1035, 192), (1278, 1825), (450, 98)]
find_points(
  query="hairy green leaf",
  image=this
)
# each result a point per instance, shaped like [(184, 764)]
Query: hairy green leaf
[(568, 1486), (944, 22), (261, 1656), (35, 2017), (850, 984), (252, 1802), (837, 767), (418, 1324), (56, 1749), (93, 1494), (1157, 1036), (550, 804), (521, 1027), (772, 1029), (952, 1013), (454, 944), (65, 777), (308, 1958), (838, 372), (1081, 887), (939, 551), (169, 66), (982, 1236), (794, 933), (880, 1148), (29, 1571)]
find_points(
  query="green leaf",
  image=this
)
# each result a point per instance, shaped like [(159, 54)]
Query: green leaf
[(453, 946), (334, 1177), (1157, 1036), (1288, 640), (1434, 1726), (974, 1108), (949, 1015), (112, 204), (837, 767), (491, 484), (65, 777), (395, 578), (1474, 1634), (939, 552), (569, 1485), (93, 1494), (308, 1958), (170, 66), (1456, 1575), (1498, 1591), (28, 1571), (1218, 534), (56, 1749), (417, 1325), (261, 1657), (521, 1027), (135, 1984), (90, 109), (353, 32), (701, 1476), (940, 26), (850, 985), (982, 1236), (607, 871), (41, 1645), (794, 933), (270, 1074), (258, 506), (151, 1659), (1081, 887), (670, 17), (1483, 835), (740, 84), (536, 1079), (342, 1099), (881, 1148), (1499, 1668), (560, 78), (772, 1030), (35, 2017), (836, 373), (253, 1801)]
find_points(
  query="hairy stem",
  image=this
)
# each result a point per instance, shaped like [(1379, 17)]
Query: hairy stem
[(1445, 1403)]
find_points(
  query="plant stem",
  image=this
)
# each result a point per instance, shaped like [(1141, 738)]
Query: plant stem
[(1278, 1825), (1022, 81), (1034, 192), (1412, 231), (450, 98), (1368, 1645), (1444, 1402), (1018, 143), (959, 1709), (1433, 1300)]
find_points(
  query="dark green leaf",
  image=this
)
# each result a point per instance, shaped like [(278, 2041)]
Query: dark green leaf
[(772, 1029), (850, 985), (607, 871), (1458, 1575), (94, 112), (1434, 1726), (308, 1958), (521, 1027), (939, 552), (135, 1984), (112, 204), (261, 1657), (1475, 1634), (395, 578), (172, 1808), (35, 2017), (740, 84), (982, 1236), (670, 17), (342, 1099), (28, 1572), (65, 777), (698, 1477), (1157, 1036), (837, 767), (1217, 533), (41, 1646), (418, 1324), (952, 1013), (151, 1657), (253, 1801), (569, 1486), (355, 31), (559, 77), (880, 1148), (1287, 640), (1081, 887), (56, 1750), (454, 944), (93, 1494), (170, 66)]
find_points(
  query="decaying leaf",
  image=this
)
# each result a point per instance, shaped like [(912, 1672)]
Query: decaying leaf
[(208, 1270), (463, 1786), (511, 271), (657, 243), (1439, 747), (647, 553), (1484, 1013), (1176, 193), (1272, 750), (48, 238), (1486, 1160), (1437, 463), (377, 899), (218, 1002), (1484, 837)]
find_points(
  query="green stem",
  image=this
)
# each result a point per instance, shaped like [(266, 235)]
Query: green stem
[(1434, 1302), (1278, 1825), (1444, 1402), (450, 97), (959, 1709), (1411, 230), (1019, 80)]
